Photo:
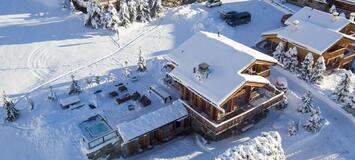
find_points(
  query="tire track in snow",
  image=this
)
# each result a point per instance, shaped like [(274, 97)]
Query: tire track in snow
[(121, 47)]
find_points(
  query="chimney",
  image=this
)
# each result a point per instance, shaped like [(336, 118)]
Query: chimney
[(352, 17), (335, 16), (202, 71), (295, 25)]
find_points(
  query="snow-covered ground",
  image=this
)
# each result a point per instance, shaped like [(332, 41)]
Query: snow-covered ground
[(41, 45)]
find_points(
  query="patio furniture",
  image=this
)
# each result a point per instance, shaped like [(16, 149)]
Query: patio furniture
[(135, 96), (124, 98), (113, 94), (122, 88), (145, 101)]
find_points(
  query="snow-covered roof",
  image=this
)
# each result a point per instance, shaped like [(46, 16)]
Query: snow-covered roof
[(315, 38), (320, 18), (129, 130), (226, 59)]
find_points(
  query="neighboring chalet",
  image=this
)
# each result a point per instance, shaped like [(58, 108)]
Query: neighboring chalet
[(317, 4), (343, 6), (320, 33), (222, 83)]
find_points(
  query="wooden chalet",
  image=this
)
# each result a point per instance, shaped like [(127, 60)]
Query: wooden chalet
[(317, 32), (222, 83), (153, 128), (343, 6)]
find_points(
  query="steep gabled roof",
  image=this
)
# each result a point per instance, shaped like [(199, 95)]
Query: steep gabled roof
[(320, 18), (226, 58), (315, 38)]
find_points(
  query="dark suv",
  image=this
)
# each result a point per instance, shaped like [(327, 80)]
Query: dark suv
[(234, 18)]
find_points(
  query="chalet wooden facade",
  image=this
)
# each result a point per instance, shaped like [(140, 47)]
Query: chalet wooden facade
[(214, 106), (153, 128), (320, 33)]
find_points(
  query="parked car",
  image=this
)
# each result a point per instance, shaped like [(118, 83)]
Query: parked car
[(213, 3), (234, 18), (285, 17)]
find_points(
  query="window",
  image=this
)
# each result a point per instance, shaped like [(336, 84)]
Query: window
[(178, 124)]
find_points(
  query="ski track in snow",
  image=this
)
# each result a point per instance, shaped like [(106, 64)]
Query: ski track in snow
[(122, 56), (35, 61)]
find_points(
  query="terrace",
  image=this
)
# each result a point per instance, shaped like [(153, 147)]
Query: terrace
[(262, 98)]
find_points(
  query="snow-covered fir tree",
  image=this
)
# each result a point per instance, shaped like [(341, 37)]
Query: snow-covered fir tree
[(293, 66), (332, 9), (349, 102), (143, 11), (306, 105), (52, 95), (292, 128), (94, 14), (97, 80), (307, 68), (286, 59), (278, 54), (342, 90), (318, 70), (155, 8), (126, 70), (112, 20), (11, 112), (314, 122), (132, 8), (141, 62), (281, 84), (74, 87), (266, 146), (283, 104), (124, 13)]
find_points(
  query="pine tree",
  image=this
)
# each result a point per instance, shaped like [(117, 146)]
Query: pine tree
[(52, 95), (318, 70), (126, 70), (143, 11), (111, 18), (293, 67), (74, 87), (286, 59), (94, 14), (342, 90), (97, 79), (349, 102), (306, 68), (124, 13), (278, 54), (332, 9), (283, 104), (306, 105), (314, 122), (132, 7), (155, 8), (11, 112), (141, 62), (292, 129)]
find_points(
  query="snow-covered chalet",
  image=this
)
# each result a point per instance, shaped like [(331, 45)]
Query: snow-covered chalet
[(223, 84), (313, 31)]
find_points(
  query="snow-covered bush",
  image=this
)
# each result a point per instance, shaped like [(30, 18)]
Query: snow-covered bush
[(306, 105), (318, 70), (11, 112), (266, 146), (94, 14), (342, 90), (306, 68), (292, 128), (283, 104), (281, 84), (349, 102), (314, 122), (52, 95), (74, 87)]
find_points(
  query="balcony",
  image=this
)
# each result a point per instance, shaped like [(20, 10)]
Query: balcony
[(262, 101)]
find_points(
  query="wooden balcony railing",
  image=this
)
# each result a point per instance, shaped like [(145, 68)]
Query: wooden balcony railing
[(218, 128), (347, 59), (265, 73)]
